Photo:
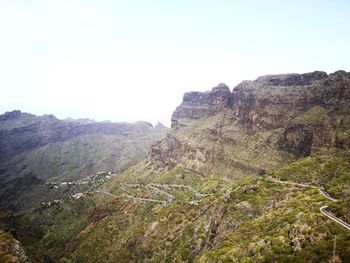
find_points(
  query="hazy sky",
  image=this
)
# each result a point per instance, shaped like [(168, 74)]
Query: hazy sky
[(133, 60)]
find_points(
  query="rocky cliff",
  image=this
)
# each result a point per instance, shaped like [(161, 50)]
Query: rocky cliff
[(270, 101), (200, 105), (298, 112)]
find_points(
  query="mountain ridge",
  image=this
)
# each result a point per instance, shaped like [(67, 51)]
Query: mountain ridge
[(36, 149), (255, 107), (246, 93)]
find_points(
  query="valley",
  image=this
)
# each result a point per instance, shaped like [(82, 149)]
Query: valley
[(257, 174)]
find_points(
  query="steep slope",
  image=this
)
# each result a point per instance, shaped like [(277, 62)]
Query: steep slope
[(38, 149), (252, 220), (237, 179), (11, 251), (260, 113)]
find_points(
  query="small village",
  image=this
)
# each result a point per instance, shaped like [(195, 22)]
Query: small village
[(91, 181)]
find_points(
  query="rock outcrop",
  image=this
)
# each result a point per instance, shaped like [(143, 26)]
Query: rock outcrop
[(199, 105), (11, 249), (172, 151)]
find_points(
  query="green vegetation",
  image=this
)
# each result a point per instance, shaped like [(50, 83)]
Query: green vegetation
[(58, 225), (250, 220), (43, 148), (329, 170), (216, 193), (81, 156), (10, 249), (217, 147), (312, 116)]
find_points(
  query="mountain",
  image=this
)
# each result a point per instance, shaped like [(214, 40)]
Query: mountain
[(82, 121), (259, 174), (35, 150), (259, 126)]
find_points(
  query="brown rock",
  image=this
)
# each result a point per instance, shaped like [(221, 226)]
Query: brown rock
[(267, 103), (199, 105), (272, 101)]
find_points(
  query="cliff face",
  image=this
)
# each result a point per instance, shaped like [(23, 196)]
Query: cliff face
[(172, 151), (300, 112), (272, 101), (200, 105), (267, 102)]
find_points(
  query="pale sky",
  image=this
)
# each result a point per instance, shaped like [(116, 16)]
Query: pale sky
[(133, 60)]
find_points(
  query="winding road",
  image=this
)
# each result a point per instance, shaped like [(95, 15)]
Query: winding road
[(292, 183), (324, 209), (188, 187), (133, 197), (325, 194), (170, 196), (156, 187)]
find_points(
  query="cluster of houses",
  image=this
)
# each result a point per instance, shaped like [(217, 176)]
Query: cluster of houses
[(101, 176), (56, 185), (75, 196), (51, 203)]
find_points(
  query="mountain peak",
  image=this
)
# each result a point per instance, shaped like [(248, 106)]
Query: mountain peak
[(198, 105), (160, 125), (221, 86), (9, 115), (15, 114)]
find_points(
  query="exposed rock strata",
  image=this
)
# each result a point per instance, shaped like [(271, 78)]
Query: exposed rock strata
[(171, 151), (199, 105), (272, 101), (268, 103)]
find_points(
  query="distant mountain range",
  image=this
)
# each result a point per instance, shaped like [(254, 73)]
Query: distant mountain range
[(37, 149)]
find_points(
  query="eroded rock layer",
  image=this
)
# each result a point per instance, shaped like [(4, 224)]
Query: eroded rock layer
[(301, 112)]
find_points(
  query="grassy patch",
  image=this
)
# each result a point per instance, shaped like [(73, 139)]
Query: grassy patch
[(312, 116)]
